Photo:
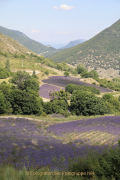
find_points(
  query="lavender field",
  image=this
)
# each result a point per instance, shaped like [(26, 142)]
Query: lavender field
[(45, 89), (63, 81), (45, 143)]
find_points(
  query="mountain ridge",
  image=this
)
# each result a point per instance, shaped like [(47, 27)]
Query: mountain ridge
[(9, 45), (73, 43), (103, 50), (33, 45)]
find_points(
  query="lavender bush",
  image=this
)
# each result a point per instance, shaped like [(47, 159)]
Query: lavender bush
[(30, 143), (64, 81)]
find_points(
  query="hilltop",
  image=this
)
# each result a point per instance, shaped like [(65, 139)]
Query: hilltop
[(10, 45), (33, 45), (73, 43), (22, 58), (103, 50)]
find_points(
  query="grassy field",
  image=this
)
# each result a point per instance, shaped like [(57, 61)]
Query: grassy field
[(56, 120)]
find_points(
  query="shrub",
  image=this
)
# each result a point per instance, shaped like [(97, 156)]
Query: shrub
[(22, 56), (74, 72), (105, 165), (4, 73), (58, 105), (85, 74), (6, 89), (93, 74), (43, 114), (47, 73), (103, 85), (60, 95), (112, 101), (20, 76), (47, 107), (66, 73), (2, 103), (34, 75), (29, 84), (80, 68), (7, 66), (84, 103), (16, 56), (71, 87), (59, 66), (25, 103)]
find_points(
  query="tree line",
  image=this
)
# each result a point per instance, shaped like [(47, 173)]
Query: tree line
[(21, 96)]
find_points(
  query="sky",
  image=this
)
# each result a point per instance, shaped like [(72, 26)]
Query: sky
[(59, 21)]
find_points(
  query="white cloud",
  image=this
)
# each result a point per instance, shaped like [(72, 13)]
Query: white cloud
[(65, 32), (35, 31), (64, 7), (55, 7)]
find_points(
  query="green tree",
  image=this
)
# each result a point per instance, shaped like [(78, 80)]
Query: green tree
[(22, 56), (6, 89), (4, 73), (66, 73), (59, 66), (112, 102), (59, 102), (84, 103), (60, 107), (80, 68), (20, 76), (47, 73), (74, 72), (93, 74), (48, 108), (34, 75), (7, 66), (25, 103), (2, 103), (71, 87), (85, 74), (29, 84)]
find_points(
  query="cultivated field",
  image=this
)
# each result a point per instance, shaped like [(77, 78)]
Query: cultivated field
[(45, 89), (64, 81), (49, 143)]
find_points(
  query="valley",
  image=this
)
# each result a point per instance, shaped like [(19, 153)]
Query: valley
[(55, 111)]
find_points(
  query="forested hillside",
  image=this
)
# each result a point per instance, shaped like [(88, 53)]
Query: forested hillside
[(103, 50), (27, 42)]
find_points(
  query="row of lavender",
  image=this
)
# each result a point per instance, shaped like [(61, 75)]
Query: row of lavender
[(25, 139), (64, 81)]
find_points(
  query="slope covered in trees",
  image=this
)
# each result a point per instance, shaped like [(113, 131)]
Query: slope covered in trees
[(103, 50)]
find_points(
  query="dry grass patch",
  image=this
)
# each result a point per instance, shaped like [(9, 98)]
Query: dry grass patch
[(89, 80), (6, 80)]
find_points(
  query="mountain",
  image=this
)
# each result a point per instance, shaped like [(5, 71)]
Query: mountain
[(27, 42), (73, 43), (103, 50), (55, 45), (10, 45)]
